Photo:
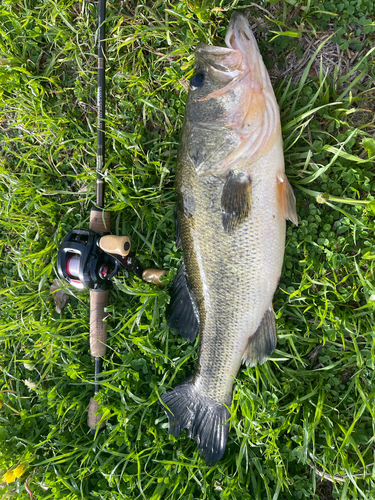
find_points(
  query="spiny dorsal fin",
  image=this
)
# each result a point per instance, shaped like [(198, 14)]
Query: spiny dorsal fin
[(262, 344), (286, 198), (182, 312), (235, 200)]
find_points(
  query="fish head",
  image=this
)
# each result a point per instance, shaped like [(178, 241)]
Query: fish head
[(215, 68), (232, 113)]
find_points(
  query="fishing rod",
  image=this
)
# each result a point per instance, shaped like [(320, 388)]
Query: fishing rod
[(89, 258)]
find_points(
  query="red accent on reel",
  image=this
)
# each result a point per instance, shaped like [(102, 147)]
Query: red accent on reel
[(127, 261), (104, 271)]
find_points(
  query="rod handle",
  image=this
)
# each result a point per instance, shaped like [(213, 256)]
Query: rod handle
[(98, 327), (153, 276), (98, 341), (100, 220), (118, 245), (92, 419)]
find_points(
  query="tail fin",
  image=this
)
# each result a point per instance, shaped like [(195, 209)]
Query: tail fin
[(205, 419)]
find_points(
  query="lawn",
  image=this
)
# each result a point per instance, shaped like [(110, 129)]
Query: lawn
[(302, 425)]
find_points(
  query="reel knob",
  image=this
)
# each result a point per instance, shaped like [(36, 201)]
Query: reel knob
[(153, 276), (117, 245)]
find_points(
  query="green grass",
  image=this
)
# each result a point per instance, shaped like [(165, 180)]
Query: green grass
[(310, 410)]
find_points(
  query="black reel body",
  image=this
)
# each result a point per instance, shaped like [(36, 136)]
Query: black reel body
[(83, 264)]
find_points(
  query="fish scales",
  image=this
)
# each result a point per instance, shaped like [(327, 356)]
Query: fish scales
[(232, 200), (233, 276)]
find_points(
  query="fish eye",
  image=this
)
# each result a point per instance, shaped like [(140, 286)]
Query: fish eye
[(197, 80)]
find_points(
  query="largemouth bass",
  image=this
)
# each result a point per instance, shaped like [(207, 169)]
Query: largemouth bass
[(232, 201)]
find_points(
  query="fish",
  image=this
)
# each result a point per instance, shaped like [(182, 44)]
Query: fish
[(232, 202)]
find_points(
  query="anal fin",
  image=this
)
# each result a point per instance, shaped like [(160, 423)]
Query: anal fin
[(262, 344), (235, 200), (182, 312)]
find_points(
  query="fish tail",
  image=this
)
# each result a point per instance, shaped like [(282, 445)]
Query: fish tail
[(206, 421)]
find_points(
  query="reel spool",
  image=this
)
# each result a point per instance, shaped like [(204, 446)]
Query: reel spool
[(83, 264)]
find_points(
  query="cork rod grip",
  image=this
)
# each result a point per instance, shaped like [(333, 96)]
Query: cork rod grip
[(100, 221), (98, 340), (98, 327), (92, 419)]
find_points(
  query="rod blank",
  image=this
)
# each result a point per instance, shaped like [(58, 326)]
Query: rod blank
[(99, 222), (100, 154)]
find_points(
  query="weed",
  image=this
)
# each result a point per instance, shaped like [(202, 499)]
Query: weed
[(306, 414)]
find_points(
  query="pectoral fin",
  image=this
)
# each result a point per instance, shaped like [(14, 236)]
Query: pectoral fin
[(235, 200), (262, 344), (182, 312), (286, 199)]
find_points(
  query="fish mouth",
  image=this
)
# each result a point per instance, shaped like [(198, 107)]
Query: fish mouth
[(238, 60), (240, 37), (223, 62)]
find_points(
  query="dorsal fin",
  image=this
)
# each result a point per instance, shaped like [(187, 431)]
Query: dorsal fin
[(182, 312)]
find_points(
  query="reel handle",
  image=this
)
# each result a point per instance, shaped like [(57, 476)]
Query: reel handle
[(118, 245)]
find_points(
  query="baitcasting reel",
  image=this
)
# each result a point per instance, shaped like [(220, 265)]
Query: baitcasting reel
[(87, 259)]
